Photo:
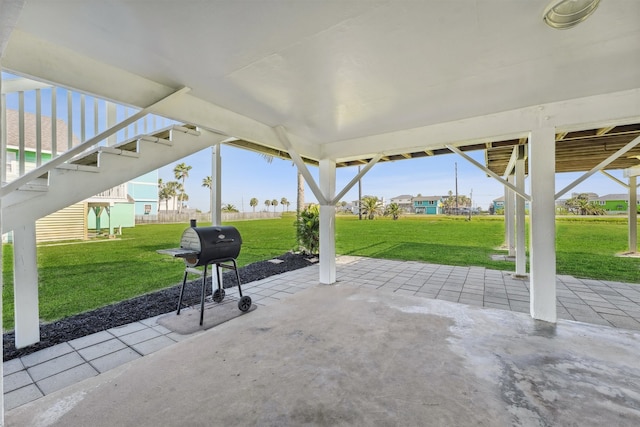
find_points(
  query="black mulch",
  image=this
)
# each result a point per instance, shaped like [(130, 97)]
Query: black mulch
[(144, 306)]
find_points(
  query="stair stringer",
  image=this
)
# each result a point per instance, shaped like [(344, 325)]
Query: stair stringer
[(69, 186)]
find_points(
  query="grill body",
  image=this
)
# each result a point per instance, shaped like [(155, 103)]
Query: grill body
[(210, 244), (204, 246)]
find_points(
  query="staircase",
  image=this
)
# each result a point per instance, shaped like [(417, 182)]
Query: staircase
[(100, 169)]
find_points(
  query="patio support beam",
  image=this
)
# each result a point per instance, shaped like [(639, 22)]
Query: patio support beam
[(509, 223), (512, 162), (600, 166), (633, 214), (281, 133), (25, 285), (542, 228), (357, 178), (521, 256), (488, 171), (328, 222), (613, 178), (216, 185)]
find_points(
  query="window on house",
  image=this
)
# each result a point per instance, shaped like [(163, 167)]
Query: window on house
[(147, 209)]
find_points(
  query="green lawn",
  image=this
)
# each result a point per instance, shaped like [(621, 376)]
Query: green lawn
[(82, 276)]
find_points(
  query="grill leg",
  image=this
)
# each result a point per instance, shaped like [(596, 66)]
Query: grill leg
[(204, 287), (218, 276), (184, 282), (235, 268)]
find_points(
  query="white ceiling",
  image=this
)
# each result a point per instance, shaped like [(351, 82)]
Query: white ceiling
[(332, 72)]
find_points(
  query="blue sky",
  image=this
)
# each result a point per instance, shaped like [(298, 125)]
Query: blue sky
[(246, 174)]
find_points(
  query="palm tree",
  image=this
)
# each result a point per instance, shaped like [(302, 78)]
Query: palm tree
[(371, 206), (172, 189), (208, 183), (229, 208), (182, 198), (161, 193), (267, 203), (253, 203), (181, 172), (274, 203), (284, 202), (394, 210)]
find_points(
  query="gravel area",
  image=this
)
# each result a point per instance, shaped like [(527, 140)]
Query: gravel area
[(144, 307)]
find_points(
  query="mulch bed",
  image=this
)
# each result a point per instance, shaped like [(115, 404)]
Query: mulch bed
[(144, 307)]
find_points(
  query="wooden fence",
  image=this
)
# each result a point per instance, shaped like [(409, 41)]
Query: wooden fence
[(174, 217)]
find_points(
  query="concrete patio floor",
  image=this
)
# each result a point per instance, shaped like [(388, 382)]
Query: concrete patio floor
[(399, 354)]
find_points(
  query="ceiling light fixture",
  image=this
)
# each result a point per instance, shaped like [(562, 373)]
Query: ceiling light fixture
[(563, 14)]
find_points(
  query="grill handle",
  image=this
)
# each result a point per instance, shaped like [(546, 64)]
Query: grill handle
[(225, 241)]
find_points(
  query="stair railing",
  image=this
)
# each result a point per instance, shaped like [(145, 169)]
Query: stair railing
[(56, 160)]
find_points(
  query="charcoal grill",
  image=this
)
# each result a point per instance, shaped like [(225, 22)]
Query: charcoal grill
[(205, 246)]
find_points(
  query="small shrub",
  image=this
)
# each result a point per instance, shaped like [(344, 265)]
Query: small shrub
[(308, 230)]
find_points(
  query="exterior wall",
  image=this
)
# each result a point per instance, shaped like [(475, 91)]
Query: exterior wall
[(13, 164), (69, 223), (428, 206), (615, 206), (405, 202), (144, 191), (122, 215)]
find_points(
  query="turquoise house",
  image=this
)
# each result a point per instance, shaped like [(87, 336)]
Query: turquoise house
[(429, 205)]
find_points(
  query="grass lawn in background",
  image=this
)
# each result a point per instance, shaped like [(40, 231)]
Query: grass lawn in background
[(82, 276)]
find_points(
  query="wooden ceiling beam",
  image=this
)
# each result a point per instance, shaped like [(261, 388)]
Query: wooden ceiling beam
[(603, 131)]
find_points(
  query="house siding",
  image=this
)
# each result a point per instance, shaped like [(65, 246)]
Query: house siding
[(69, 223)]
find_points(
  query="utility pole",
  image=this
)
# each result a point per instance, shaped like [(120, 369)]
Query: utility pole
[(456, 165)]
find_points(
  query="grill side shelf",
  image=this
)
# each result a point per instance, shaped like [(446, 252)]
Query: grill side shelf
[(179, 252)]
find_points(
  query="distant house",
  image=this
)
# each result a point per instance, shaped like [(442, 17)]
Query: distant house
[(355, 205), (499, 204), (429, 205), (405, 202), (614, 203)]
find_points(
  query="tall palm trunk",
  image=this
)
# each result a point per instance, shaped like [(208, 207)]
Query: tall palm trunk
[(300, 195)]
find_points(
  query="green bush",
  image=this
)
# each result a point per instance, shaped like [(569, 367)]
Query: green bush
[(308, 230)]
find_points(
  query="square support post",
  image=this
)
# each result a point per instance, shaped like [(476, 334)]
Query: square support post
[(633, 214), (521, 255), (3, 144), (509, 223), (542, 228), (216, 185), (25, 285), (328, 223)]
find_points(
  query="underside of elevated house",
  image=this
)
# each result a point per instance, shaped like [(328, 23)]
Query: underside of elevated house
[(331, 85)]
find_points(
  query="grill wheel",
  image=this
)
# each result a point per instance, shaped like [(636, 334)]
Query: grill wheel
[(218, 295), (245, 303)]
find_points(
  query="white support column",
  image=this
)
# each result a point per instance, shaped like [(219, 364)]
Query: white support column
[(633, 214), (521, 255), (542, 227), (327, 223), (3, 144), (216, 185), (25, 285), (509, 223)]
